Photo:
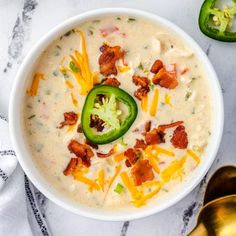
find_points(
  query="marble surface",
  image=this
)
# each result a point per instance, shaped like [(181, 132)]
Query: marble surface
[(23, 22)]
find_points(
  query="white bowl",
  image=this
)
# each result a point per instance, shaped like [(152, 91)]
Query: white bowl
[(23, 154)]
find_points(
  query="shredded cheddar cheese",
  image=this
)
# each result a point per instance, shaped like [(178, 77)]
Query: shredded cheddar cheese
[(101, 179), (74, 100), (120, 157), (153, 162), (118, 168), (154, 105), (148, 196), (91, 183), (194, 156), (173, 170), (123, 69), (33, 91), (82, 74), (69, 84), (128, 182), (163, 151), (168, 100), (144, 103)]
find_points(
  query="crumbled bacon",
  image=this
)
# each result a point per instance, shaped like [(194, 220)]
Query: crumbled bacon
[(185, 70), (132, 155), (96, 122), (82, 151), (147, 126), (140, 144), (166, 77), (94, 146), (79, 129), (141, 92), (104, 155), (142, 172), (180, 138), (154, 137), (108, 58), (71, 166), (70, 118), (112, 82), (127, 163), (162, 128), (157, 65), (140, 81)]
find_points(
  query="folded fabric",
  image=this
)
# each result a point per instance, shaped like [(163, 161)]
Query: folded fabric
[(20, 213)]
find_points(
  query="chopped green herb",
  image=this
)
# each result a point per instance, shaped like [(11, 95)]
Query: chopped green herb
[(118, 18), (188, 95), (163, 104), (151, 86), (90, 32), (55, 73), (146, 47), (69, 33), (131, 19), (96, 21), (66, 76), (193, 111), (31, 117), (140, 66), (209, 133), (73, 67), (122, 142), (165, 190), (192, 79), (48, 92), (119, 188), (56, 53)]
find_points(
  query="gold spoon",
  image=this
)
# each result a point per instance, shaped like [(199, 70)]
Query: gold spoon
[(218, 216)]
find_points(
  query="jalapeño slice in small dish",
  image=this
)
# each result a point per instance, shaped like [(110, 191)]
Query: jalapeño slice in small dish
[(107, 114)]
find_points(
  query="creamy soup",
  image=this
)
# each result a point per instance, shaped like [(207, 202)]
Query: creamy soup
[(135, 142)]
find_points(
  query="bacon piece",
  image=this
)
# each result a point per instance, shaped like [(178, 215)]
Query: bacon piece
[(180, 138), (185, 70), (141, 92), (108, 58), (132, 155), (167, 126), (127, 163), (104, 155), (166, 77), (108, 30), (157, 65), (140, 144), (79, 129), (96, 122), (70, 167), (140, 81), (112, 82), (75, 163), (154, 137), (82, 151), (147, 126), (142, 172), (70, 118)]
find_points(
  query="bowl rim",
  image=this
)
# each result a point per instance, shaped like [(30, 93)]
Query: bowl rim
[(16, 135)]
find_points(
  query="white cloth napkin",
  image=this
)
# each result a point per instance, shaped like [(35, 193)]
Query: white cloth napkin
[(20, 213)]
